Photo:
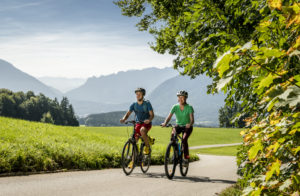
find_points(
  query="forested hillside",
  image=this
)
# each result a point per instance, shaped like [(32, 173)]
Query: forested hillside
[(33, 107)]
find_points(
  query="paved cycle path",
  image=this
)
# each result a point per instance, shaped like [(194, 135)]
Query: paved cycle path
[(214, 145), (206, 177)]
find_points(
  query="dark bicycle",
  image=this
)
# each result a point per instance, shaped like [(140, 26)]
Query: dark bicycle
[(132, 156), (174, 156)]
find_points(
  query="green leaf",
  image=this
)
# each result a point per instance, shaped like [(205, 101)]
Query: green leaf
[(256, 192), (223, 65), (266, 81), (268, 52), (275, 167), (255, 149), (271, 104), (223, 82), (297, 78)]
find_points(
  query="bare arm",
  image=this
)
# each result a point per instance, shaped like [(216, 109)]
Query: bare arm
[(167, 120), (191, 121), (126, 116), (151, 113)]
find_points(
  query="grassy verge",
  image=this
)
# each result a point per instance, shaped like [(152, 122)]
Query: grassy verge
[(30, 147), (233, 190), (226, 151)]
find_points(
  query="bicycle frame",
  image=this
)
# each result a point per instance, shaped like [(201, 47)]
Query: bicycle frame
[(177, 143), (133, 139)]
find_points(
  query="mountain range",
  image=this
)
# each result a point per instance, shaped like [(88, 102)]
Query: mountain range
[(115, 92), (111, 119), (63, 84), (117, 88), (16, 80)]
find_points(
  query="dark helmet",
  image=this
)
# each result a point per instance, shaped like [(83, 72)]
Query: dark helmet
[(182, 93), (140, 90)]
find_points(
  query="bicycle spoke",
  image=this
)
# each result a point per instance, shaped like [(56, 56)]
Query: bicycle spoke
[(146, 159), (170, 161), (128, 158)]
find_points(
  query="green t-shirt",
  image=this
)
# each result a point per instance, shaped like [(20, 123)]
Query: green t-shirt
[(182, 117)]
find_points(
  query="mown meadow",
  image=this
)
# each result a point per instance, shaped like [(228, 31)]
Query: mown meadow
[(31, 146)]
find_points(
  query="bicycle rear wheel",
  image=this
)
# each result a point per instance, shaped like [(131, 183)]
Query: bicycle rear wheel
[(170, 160), (128, 157), (146, 160), (184, 165)]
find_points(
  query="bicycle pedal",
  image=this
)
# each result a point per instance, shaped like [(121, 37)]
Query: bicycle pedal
[(185, 162)]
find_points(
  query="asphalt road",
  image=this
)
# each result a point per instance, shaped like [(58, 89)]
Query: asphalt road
[(208, 176), (213, 146)]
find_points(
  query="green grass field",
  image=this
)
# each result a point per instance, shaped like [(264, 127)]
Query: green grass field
[(200, 136), (30, 146), (226, 151)]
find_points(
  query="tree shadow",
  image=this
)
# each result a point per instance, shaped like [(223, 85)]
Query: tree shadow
[(188, 179)]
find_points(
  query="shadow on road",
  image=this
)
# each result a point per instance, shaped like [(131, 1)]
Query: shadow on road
[(189, 179)]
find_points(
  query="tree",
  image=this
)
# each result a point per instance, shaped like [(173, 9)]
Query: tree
[(251, 49), (36, 108), (47, 118), (7, 105), (227, 114)]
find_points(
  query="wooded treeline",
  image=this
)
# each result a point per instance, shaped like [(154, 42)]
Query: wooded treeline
[(29, 106)]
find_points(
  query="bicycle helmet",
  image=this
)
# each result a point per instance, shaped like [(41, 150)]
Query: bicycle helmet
[(140, 90), (182, 93)]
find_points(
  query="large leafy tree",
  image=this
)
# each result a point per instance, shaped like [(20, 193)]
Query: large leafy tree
[(251, 49)]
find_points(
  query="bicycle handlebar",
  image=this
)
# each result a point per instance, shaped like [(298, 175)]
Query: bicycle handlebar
[(168, 125), (132, 122)]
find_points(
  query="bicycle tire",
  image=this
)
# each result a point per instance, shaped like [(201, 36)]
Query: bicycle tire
[(184, 168), (128, 155), (170, 160), (146, 160)]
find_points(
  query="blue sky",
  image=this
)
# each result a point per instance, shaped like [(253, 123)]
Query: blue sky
[(73, 38)]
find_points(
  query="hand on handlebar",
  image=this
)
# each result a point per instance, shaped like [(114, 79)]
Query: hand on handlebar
[(122, 120), (147, 121)]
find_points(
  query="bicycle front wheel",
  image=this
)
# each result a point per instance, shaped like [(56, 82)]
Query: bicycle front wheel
[(170, 161), (128, 157), (184, 166), (146, 160)]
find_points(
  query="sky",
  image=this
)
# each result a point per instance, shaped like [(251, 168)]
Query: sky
[(73, 38)]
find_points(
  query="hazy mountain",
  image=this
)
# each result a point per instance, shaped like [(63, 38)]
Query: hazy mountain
[(84, 108), (206, 106), (112, 119), (16, 80), (63, 84), (118, 88), (115, 93)]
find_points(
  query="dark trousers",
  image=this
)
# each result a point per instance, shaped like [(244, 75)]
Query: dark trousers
[(186, 134)]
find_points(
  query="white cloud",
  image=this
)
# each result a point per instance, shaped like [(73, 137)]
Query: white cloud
[(17, 5), (79, 54)]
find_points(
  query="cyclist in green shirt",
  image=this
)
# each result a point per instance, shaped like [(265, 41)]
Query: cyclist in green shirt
[(184, 120)]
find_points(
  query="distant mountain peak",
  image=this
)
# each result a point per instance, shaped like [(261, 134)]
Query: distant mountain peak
[(118, 88), (16, 80)]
